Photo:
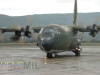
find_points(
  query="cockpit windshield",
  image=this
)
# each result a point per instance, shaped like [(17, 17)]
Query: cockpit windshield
[(51, 30), (48, 30)]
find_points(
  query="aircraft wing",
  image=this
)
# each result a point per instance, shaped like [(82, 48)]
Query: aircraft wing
[(4, 29), (81, 28), (92, 29), (21, 31)]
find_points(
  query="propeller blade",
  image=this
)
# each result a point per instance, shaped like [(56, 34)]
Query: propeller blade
[(29, 32), (97, 21), (18, 39), (21, 39), (17, 27), (35, 36)]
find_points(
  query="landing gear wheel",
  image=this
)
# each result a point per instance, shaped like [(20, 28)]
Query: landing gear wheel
[(51, 55), (77, 52)]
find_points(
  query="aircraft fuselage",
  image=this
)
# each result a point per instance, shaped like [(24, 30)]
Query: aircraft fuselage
[(57, 38)]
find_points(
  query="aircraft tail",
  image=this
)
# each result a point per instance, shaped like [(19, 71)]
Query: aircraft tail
[(75, 14)]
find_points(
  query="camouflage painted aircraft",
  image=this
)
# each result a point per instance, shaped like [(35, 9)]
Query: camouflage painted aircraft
[(55, 38)]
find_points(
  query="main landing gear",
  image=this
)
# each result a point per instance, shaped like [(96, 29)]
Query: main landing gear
[(51, 55), (77, 51)]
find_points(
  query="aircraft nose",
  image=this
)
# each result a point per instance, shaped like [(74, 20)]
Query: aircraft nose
[(47, 43)]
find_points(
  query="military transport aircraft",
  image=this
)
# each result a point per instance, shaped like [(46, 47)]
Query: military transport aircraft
[(55, 38)]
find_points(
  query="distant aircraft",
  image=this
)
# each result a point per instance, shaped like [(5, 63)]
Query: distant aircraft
[(55, 38)]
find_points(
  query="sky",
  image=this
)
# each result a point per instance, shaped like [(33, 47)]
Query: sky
[(31, 7)]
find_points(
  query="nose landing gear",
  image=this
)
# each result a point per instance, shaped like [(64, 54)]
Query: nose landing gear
[(51, 55), (77, 51)]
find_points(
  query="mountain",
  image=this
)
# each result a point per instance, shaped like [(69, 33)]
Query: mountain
[(45, 19)]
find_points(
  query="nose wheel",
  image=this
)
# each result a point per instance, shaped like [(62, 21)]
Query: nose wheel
[(51, 55), (77, 51)]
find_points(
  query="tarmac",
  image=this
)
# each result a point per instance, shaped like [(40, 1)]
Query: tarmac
[(28, 60)]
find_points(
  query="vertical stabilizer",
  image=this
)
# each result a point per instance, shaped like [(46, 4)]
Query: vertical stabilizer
[(75, 14)]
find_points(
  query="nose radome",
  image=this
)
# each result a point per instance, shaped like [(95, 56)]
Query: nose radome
[(47, 43)]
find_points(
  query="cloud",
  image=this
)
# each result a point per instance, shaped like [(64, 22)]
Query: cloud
[(88, 6), (28, 7), (64, 1)]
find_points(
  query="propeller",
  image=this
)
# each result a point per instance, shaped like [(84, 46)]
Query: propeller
[(17, 27), (93, 30), (29, 32), (97, 20), (19, 37)]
